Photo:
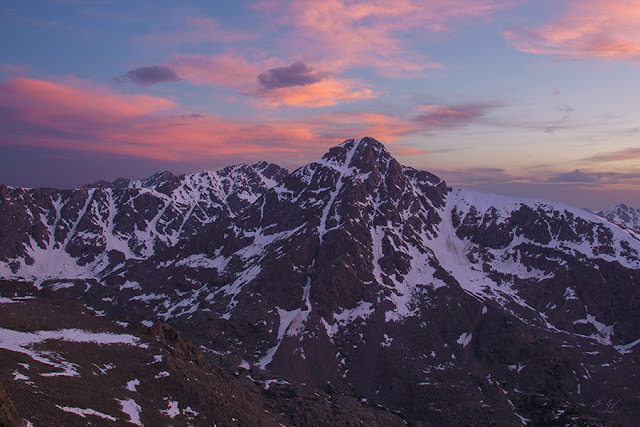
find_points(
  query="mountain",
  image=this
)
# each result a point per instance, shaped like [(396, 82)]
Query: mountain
[(622, 215), (357, 275)]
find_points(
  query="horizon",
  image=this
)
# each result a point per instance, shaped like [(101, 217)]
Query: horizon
[(515, 196), (532, 99)]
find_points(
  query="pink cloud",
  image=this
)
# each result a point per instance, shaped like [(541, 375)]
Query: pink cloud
[(628, 154), (82, 116), (14, 68), (380, 126), (586, 29), (229, 69), (78, 115), (235, 71), (442, 116), (320, 94), (51, 101), (341, 34)]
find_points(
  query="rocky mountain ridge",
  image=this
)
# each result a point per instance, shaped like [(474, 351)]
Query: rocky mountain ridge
[(450, 306), (623, 215)]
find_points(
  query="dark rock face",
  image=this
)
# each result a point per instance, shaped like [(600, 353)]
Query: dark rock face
[(450, 306), (9, 416)]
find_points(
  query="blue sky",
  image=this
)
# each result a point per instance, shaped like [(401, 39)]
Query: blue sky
[(529, 98)]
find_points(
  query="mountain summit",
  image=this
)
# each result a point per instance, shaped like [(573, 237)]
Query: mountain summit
[(357, 273), (623, 215)]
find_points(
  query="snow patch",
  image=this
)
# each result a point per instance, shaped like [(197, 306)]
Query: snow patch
[(626, 348), (464, 339), (172, 411), (387, 341), (84, 412), (131, 408), (131, 385), (603, 336), (23, 342)]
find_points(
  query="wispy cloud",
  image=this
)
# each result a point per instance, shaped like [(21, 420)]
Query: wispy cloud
[(15, 69), (477, 176), (628, 154), (596, 177), (341, 34), (576, 176), (567, 111), (228, 69), (442, 116), (601, 29)]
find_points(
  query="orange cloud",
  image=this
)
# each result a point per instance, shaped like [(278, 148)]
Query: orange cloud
[(81, 116), (380, 126), (38, 98), (235, 71), (320, 94), (94, 119), (227, 69), (442, 116), (587, 29)]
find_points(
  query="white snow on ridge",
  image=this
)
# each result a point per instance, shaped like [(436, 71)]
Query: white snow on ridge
[(624, 349), (23, 342), (603, 336), (291, 324), (84, 412), (344, 171), (451, 251), (202, 261)]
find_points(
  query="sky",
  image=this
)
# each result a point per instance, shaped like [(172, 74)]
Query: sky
[(531, 98)]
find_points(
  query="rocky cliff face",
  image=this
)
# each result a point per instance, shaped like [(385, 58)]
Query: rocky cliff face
[(450, 306)]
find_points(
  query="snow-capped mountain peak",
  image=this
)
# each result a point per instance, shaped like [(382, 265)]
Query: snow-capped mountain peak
[(622, 215)]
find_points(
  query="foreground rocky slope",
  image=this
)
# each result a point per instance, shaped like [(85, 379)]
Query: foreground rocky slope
[(450, 306), (63, 365)]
